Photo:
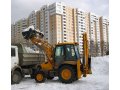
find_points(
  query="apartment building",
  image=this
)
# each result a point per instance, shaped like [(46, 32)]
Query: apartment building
[(81, 28), (12, 33), (104, 34), (44, 22), (94, 34), (61, 23), (16, 31), (32, 19)]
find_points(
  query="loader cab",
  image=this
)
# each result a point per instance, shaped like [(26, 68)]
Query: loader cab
[(66, 52)]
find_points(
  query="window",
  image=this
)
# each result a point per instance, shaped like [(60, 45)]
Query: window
[(59, 54), (64, 34), (64, 27), (12, 52), (70, 52), (64, 37), (64, 21)]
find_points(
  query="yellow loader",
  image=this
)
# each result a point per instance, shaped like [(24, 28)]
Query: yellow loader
[(63, 59)]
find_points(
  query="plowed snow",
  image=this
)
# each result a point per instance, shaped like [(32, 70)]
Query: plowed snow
[(99, 80)]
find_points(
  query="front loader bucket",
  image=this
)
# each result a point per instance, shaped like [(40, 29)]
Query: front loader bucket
[(30, 32)]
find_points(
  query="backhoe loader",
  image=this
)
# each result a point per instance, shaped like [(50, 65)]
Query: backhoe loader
[(63, 59)]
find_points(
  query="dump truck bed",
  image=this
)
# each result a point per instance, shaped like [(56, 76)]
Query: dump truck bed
[(29, 58)]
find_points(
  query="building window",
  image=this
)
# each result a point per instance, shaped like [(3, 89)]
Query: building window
[(64, 37), (64, 27), (64, 34)]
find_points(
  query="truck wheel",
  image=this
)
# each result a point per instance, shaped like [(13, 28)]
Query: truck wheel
[(40, 77), (66, 74), (16, 77)]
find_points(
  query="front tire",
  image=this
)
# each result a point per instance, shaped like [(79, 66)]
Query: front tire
[(16, 77), (40, 77), (66, 74)]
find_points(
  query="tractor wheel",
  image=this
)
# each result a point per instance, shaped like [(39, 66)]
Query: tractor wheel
[(66, 74), (16, 77), (40, 77)]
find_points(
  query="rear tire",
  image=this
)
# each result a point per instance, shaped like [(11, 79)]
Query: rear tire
[(40, 77), (16, 77), (63, 75)]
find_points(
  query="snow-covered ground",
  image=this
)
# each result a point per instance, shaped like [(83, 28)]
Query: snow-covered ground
[(99, 80)]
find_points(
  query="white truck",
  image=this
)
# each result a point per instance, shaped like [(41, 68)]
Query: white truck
[(24, 61)]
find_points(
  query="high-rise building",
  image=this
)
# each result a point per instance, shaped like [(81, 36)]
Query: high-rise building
[(17, 29), (44, 22), (81, 28), (13, 33), (94, 34), (32, 19), (104, 34), (61, 23)]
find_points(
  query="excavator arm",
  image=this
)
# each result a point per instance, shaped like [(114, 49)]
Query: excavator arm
[(36, 38), (87, 57)]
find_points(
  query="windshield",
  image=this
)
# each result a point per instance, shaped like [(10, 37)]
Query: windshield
[(70, 52), (77, 51), (12, 52), (59, 54)]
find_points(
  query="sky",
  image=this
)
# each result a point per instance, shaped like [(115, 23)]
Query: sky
[(22, 8)]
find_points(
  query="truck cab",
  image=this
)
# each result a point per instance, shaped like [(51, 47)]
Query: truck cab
[(14, 56), (16, 71)]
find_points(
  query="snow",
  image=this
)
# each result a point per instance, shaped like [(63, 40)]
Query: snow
[(27, 29), (98, 80), (31, 50)]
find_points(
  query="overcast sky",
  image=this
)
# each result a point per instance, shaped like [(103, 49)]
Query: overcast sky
[(22, 8)]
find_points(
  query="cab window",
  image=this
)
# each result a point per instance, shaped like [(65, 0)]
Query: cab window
[(59, 53), (70, 52), (12, 52)]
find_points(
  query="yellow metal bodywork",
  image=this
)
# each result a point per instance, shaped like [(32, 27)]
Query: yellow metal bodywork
[(48, 49), (86, 55), (79, 73), (46, 66)]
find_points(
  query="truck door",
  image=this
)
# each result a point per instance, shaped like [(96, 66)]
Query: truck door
[(14, 57)]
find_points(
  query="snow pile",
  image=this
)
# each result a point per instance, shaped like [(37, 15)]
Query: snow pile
[(100, 65), (99, 80), (30, 50), (27, 29)]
